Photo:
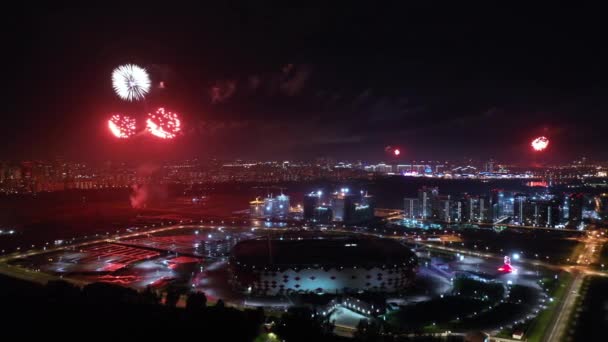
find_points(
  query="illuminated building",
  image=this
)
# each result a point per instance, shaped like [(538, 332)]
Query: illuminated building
[(256, 208), (518, 208), (575, 209), (364, 210), (332, 264), (601, 206), (323, 214), (490, 166), (429, 204), (383, 168), (311, 202), (276, 207), (343, 205), (497, 198), (470, 212), (484, 209), (411, 208), (445, 205), (456, 211)]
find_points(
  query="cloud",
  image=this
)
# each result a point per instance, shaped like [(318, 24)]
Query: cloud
[(254, 82), (294, 78), (222, 91)]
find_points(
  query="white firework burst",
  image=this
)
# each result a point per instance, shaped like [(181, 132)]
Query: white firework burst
[(130, 82)]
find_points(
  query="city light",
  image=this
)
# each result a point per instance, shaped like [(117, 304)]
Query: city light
[(396, 152)]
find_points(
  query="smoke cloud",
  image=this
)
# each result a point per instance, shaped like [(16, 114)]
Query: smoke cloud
[(222, 91)]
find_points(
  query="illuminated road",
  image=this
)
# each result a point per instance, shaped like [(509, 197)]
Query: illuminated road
[(559, 323), (43, 278)]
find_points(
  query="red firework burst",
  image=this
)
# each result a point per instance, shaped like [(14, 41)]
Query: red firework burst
[(163, 124), (540, 143), (122, 126)]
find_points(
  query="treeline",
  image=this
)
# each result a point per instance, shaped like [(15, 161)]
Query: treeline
[(102, 311)]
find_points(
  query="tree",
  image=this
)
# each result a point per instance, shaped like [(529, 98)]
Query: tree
[(149, 296), (298, 324), (172, 298), (196, 301), (367, 330)]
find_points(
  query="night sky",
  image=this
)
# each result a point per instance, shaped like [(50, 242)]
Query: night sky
[(262, 82)]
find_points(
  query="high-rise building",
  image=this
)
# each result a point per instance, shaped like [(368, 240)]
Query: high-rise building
[(283, 206), (575, 209), (445, 208), (364, 210), (429, 202), (276, 207), (484, 208), (519, 203), (411, 208), (343, 205), (490, 166), (256, 208), (323, 214), (497, 198), (456, 209), (601, 206), (311, 202)]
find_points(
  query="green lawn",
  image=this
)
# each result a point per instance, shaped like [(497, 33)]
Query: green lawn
[(539, 325)]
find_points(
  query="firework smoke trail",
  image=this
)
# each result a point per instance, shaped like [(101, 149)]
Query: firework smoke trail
[(131, 82)]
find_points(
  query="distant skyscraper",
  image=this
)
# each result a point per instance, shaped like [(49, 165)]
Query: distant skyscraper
[(343, 205), (283, 206), (518, 208), (456, 211), (575, 210), (311, 202), (428, 199), (411, 208), (490, 166), (276, 207), (256, 208), (323, 214), (471, 211), (601, 206), (497, 198), (445, 205), (485, 212)]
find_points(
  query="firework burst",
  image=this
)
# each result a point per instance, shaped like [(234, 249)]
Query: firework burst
[(122, 126), (163, 124), (540, 143), (131, 82)]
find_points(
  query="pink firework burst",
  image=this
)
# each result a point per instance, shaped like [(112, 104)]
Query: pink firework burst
[(163, 124)]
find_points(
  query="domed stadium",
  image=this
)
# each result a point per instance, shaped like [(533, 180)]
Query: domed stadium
[(321, 264)]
